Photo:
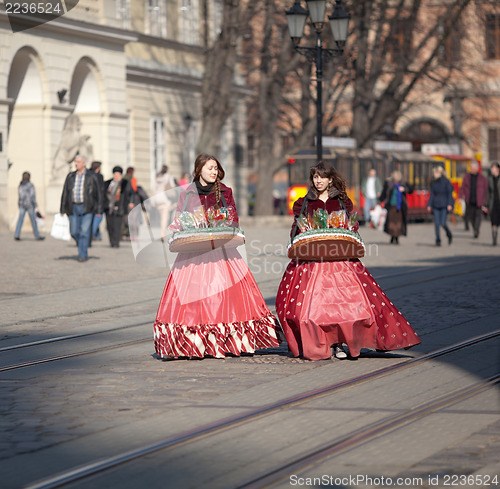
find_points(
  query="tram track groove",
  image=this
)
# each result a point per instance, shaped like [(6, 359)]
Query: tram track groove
[(367, 433), (73, 355), (70, 337), (225, 424), (86, 352)]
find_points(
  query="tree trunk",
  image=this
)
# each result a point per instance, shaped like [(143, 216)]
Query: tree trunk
[(220, 65)]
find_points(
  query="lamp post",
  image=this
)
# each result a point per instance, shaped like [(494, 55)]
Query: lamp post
[(339, 24)]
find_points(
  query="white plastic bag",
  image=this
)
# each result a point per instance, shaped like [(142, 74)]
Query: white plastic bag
[(378, 216), (60, 227)]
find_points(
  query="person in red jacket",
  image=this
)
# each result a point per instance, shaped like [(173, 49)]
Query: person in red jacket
[(473, 190), (211, 304)]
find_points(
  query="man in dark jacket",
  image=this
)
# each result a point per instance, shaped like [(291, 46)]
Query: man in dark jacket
[(441, 202), (473, 191), (118, 192), (81, 199)]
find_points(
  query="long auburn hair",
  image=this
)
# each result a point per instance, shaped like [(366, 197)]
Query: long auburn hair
[(199, 163), (325, 170)]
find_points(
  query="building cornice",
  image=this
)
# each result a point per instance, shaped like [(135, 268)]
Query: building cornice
[(178, 80), (163, 78), (6, 101), (70, 27), (169, 44)]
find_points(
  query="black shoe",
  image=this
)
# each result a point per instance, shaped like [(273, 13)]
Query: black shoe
[(450, 239), (40, 238), (396, 239), (438, 243), (393, 240), (17, 239), (81, 259), (339, 352)]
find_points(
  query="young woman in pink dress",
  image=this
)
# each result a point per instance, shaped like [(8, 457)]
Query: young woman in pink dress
[(324, 304), (211, 304)]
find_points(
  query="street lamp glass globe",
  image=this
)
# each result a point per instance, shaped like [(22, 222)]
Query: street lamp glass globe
[(317, 9), (339, 23), (296, 18)]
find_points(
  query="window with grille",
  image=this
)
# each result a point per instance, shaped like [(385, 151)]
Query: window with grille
[(189, 26), (123, 13), (493, 36), (157, 145), (218, 11), (494, 144), (449, 52), (156, 18), (397, 39)]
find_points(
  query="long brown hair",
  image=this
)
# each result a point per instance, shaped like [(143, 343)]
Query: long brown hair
[(325, 170), (199, 163)]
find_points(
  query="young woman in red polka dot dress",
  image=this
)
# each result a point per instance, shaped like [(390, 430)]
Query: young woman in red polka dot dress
[(324, 304)]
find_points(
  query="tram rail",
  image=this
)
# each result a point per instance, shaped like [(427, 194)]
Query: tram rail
[(70, 337), (367, 433), (335, 447), (143, 340), (66, 356)]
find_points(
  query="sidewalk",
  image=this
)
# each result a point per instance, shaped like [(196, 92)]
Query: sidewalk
[(41, 267)]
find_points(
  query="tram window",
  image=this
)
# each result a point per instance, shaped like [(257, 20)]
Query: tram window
[(407, 171)]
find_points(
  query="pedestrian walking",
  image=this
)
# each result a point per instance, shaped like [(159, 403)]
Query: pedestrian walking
[(211, 304), (371, 188), (129, 176), (97, 219), (27, 204), (394, 198), (118, 193), (162, 199), (493, 200), (473, 190), (324, 304), (441, 202), (81, 198)]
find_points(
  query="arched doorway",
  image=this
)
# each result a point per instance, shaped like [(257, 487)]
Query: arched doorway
[(85, 95), (424, 131), (25, 124)]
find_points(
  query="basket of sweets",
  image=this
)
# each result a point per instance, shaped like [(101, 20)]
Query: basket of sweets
[(327, 237), (200, 231)]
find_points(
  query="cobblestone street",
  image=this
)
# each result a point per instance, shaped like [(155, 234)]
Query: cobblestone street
[(83, 405)]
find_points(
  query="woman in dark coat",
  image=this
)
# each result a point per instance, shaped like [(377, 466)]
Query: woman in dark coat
[(118, 192), (441, 202), (493, 200), (394, 198)]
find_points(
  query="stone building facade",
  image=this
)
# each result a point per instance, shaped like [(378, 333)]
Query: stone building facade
[(116, 80)]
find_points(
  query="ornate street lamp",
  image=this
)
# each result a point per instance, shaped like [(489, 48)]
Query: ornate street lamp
[(339, 25)]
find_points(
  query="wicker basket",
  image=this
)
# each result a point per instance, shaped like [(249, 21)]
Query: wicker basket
[(326, 245), (206, 240)]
